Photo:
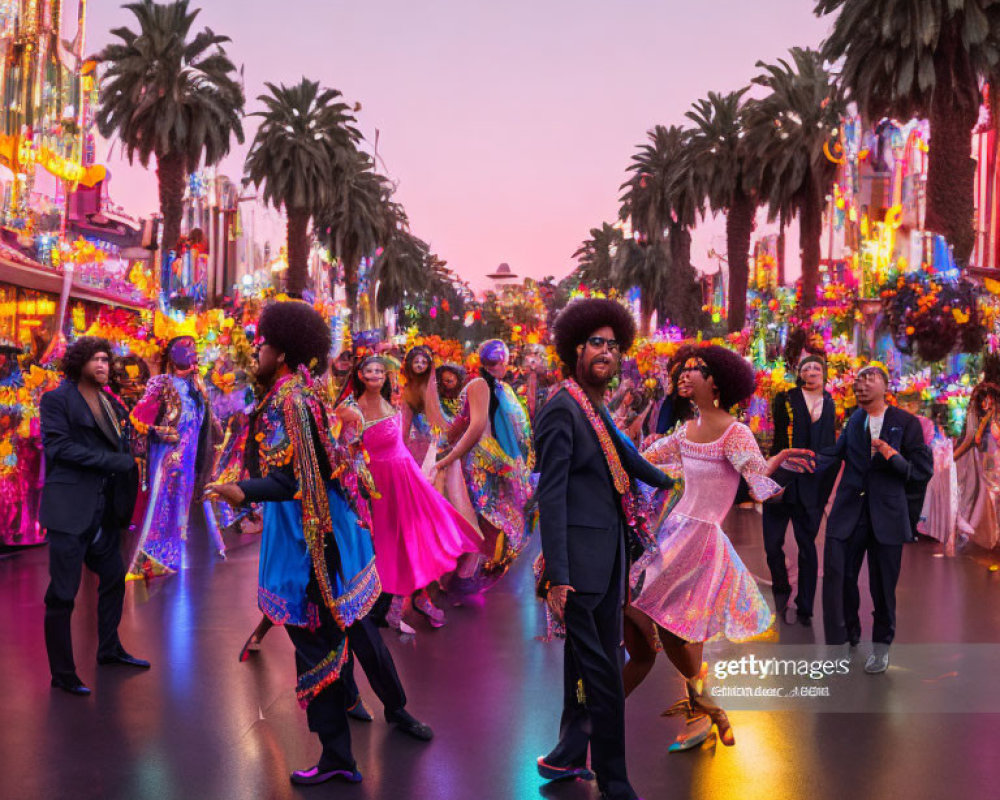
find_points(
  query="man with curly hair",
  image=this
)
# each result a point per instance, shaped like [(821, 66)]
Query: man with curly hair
[(91, 482), (585, 503), (317, 565)]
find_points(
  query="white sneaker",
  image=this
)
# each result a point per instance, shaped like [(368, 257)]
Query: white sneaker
[(878, 661)]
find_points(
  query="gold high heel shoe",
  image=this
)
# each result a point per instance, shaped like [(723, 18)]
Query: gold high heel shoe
[(698, 708)]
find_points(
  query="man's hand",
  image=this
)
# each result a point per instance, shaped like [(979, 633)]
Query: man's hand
[(556, 599), (883, 448), (230, 492)]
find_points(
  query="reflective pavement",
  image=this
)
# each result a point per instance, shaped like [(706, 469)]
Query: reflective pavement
[(202, 725)]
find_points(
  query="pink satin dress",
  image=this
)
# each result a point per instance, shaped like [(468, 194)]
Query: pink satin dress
[(418, 535), (694, 583)]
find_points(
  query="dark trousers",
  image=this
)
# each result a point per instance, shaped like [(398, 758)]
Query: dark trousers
[(594, 654), (776, 519), (327, 712), (842, 559), (98, 548), (367, 646)]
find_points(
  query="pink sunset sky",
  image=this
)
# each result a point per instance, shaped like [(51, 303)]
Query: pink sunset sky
[(508, 126)]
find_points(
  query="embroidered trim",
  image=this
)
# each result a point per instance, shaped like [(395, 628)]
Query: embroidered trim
[(791, 420), (360, 596), (311, 683), (276, 609)]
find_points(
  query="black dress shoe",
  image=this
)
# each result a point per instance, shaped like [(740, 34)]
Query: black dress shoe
[(410, 725), (320, 774), (71, 684), (551, 772), (804, 619), (359, 711), (124, 658)]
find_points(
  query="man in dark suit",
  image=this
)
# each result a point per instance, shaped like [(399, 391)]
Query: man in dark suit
[(883, 451), (90, 488), (804, 417), (583, 499)]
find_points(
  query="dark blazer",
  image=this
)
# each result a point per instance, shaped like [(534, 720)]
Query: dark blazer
[(580, 512), (883, 484), (807, 492), (82, 463)]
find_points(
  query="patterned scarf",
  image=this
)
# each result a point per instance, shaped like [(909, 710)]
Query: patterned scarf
[(627, 490), (298, 405), (618, 474)]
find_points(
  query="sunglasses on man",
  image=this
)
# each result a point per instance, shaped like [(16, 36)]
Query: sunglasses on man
[(598, 343)]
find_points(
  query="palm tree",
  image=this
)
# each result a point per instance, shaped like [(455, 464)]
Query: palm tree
[(405, 267), (595, 257), (786, 133), (923, 58), (662, 200), (645, 266), (170, 96), (306, 135), (723, 176), (358, 220)]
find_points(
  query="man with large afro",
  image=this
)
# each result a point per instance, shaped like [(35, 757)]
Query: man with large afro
[(296, 329), (578, 321), (585, 470), (317, 575)]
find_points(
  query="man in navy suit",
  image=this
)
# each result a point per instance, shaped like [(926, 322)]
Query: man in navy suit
[(883, 451), (586, 468), (91, 482)]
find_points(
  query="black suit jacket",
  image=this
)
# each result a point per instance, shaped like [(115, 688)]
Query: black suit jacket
[(82, 464), (579, 510), (883, 484), (806, 492)]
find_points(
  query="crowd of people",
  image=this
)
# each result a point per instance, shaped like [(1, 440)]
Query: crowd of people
[(388, 488)]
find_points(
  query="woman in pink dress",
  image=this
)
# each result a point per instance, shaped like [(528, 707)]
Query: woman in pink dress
[(693, 584), (418, 535)]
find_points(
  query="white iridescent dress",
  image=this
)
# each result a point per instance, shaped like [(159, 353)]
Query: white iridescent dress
[(695, 585)]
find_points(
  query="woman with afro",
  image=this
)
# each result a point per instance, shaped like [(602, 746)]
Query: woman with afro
[(694, 586)]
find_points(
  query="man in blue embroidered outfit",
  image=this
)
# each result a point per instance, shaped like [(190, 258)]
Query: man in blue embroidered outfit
[(586, 500), (317, 565)]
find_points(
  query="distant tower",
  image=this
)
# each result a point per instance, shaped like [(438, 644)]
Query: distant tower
[(504, 276)]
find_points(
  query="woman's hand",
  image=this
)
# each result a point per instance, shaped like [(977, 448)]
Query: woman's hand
[(230, 492), (794, 459), (648, 441)]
